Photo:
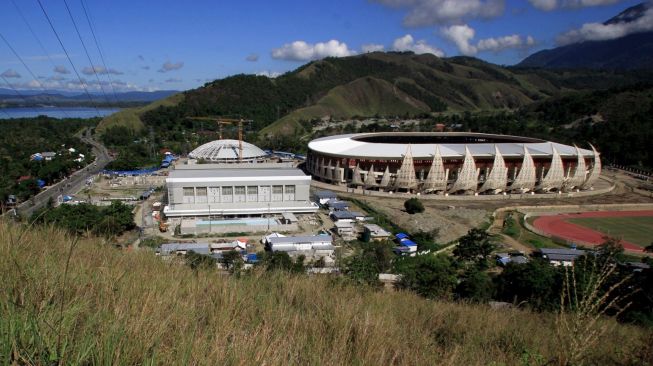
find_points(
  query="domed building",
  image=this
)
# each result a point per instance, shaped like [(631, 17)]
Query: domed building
[(227, 151)]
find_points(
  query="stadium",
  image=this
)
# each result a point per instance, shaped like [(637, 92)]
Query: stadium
[(451, 163)]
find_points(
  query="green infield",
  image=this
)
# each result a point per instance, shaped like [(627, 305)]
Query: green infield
[(637, 230)]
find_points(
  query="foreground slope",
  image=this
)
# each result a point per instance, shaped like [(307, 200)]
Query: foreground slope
[(86, 303)]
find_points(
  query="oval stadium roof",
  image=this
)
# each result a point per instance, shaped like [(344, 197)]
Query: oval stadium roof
[(226, 150)]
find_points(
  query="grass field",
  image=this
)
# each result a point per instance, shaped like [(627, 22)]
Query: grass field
[(637, 230)]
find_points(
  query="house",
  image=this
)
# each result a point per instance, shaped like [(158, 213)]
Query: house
[(359, 216), (561, 257), (314, 245), (345, 216), (336, 205), (505, 258), (48, 155), (346, 230), (183, 248), (406, 247), (373, 232), (288, 218), (324, 196)]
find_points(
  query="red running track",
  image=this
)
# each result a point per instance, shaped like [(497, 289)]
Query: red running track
[(558, 226)]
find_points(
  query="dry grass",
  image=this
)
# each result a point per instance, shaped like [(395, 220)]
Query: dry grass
[(118, 307)]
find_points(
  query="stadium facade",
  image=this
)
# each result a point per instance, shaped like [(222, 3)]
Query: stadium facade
[(451, 163)]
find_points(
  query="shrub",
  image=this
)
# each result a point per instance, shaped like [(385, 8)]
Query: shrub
[(413, 206)]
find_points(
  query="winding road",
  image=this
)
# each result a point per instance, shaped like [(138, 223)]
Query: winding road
[(72, 184)]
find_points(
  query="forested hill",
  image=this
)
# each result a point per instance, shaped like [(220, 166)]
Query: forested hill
[(631, 52), (373, 84)]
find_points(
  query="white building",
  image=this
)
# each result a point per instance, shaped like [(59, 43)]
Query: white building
[(207, 191), (317, 245)]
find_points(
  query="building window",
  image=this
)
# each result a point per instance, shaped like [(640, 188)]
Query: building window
[(214, 194), (239, 194), (227, 194), (252, 193), (277, 193), (189, 194), (289, 193), (200, 195)]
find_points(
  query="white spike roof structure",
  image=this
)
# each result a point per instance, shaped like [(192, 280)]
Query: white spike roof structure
[(356, 178), (467, 176), (578, 177), (406, 174), (329, 171), (526, 177), (498, 177), (595, 172), (337, 175), (370, 179), (385, 180), (437, 176), (555, 176)]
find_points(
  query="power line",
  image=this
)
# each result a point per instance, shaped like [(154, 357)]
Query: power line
[(86, 50), (26, 67), (68, 56), (97, 44)]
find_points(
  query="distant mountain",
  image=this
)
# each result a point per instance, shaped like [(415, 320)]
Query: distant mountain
[(631, 52), (61, 96)]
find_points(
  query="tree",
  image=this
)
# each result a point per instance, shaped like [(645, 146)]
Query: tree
[(476, 246), (368, 261), (536, 283), (277, 261), (426, 239), (232, 261), (413, 206), (649, 248), (476, 286), (198, 261), (430, 276)]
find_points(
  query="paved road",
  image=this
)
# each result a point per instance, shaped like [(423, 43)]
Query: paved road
[(72, 184)]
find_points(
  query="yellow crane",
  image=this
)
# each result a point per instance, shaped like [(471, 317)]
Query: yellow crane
[(227, 121)]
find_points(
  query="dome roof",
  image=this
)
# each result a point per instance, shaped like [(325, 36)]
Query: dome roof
[(226, 150)]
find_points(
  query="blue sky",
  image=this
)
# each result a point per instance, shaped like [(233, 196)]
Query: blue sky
[(151, 45)]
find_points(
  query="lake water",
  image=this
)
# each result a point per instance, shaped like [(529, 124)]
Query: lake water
[(56, 112)]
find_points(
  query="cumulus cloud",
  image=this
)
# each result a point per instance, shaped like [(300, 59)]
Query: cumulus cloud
[(602, 32), (302, 51), (10, 73), (270, 74), (463, 35), (60, 83), (432, 12), (252, 57), (407, 43), (371, 47), (169, 66), (101, 70), (173, 80), (61, 70), (548, 5)]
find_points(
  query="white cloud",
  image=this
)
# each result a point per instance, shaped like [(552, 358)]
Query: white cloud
[(431, 12), (10, 73), (407, 43), (548, 5), (61, 70), (252, 57), (302, 51), (463, 35), (101, 70), (601, 32), (371, 47), (460, 35), (270, 74), (169, 66), (173, 80)]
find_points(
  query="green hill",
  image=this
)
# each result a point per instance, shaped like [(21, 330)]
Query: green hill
[(131, 117), (79, 301)]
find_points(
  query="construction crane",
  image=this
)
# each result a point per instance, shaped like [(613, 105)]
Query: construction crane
[(227, 121)]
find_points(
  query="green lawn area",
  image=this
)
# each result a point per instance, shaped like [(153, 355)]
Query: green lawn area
[(637, 230)]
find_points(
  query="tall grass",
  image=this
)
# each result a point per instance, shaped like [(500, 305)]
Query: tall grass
[(81, 302)]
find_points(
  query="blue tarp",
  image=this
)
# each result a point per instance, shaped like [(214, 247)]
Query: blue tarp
[(407, 243), (401, 236), (131, 172), (67, 198), (40, 183), (252, 258), (169, 158)]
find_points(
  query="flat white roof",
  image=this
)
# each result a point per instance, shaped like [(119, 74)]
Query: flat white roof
[(227, 175)]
